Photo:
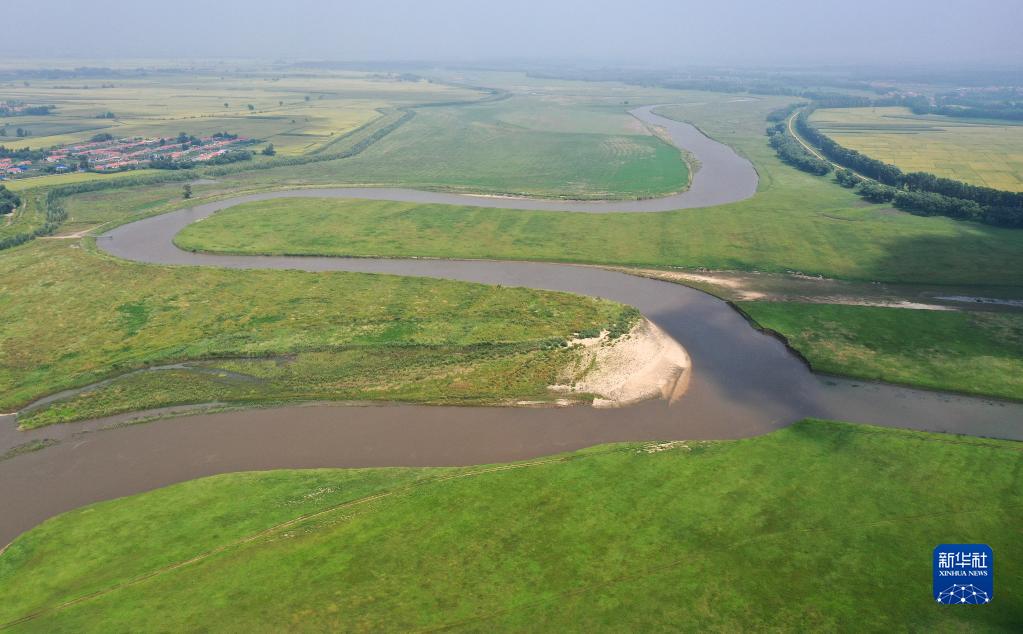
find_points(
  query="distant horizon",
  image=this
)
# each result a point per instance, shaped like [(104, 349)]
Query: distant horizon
[(44, 62), (650, 32)]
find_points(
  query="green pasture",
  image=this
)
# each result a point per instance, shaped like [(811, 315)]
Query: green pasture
[(816, 527), (514, 146), (971, 352), (861, 243), (70, 316)]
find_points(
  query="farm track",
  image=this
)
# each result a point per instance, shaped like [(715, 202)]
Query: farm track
[(812, 150)]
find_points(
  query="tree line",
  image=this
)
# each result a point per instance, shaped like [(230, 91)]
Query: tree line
[(792, 151), (234, 156), (920, 192)]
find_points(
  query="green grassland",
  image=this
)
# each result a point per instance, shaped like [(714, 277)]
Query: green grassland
[(795, 222), (514, 146), (972, 352), (26, 218), (982, 153), (70, 316), (811, 528), (767, 234)]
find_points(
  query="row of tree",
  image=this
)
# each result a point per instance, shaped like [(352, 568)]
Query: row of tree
[(18, 132), (944, 196), (956, 106), (234, 156), (931, 204), (20, 110), (792, 152), (22, 154)]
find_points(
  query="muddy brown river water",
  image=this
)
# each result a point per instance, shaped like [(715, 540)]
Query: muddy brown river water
[(744, 382)]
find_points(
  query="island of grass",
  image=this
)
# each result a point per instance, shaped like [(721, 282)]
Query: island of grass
[(70, 316), (809, 528)]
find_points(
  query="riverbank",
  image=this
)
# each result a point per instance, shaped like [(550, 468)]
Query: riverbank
[(618, 534)]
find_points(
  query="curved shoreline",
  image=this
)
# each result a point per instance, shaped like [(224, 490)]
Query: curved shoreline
[(742, 383)]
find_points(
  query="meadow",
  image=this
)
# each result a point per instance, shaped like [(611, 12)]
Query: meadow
[(987, 153), (70, 316), (809, 528), (523, 145), (969, 352), (768, 233)]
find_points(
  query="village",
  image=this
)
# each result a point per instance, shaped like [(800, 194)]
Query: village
[(104, 153)]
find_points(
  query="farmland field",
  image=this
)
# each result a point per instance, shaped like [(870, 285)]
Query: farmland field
[(615, 537), (987, 153), (201, 105)]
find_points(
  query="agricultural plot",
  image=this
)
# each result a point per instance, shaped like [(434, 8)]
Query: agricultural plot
[(978, 152), (297, 115)]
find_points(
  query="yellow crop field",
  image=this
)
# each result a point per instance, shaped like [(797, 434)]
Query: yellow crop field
[(986, 153)]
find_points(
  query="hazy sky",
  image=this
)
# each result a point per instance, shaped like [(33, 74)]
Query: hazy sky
[(658, 32)]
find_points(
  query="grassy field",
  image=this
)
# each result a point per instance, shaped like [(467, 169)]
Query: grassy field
[(523, 145), (981, 153), (972, 352), (70, 316), (767, 233), (810, 528)]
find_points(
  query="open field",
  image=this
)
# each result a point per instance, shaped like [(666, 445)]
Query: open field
[(164, 105), (515, 146), (70, 316), (976, 353), (981, 153), (621, 536), (581, 147)]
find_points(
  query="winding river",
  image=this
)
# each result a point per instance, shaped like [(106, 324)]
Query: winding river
[(744, 383)]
